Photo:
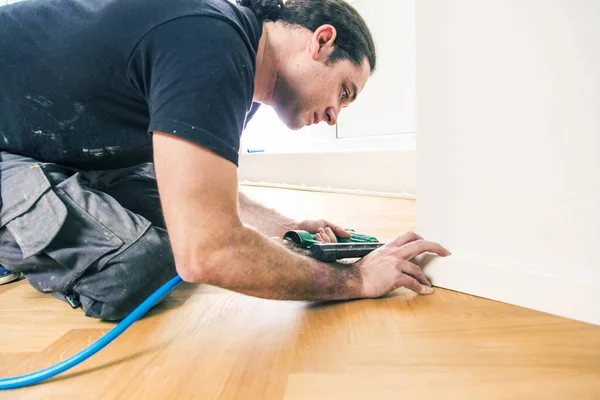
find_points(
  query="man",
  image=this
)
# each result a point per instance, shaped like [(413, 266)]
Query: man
[(106, 104)]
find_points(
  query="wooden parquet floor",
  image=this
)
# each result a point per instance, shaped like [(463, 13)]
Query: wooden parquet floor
[(206, 343)]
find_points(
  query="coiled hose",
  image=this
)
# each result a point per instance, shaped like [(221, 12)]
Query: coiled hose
[(137, 313)]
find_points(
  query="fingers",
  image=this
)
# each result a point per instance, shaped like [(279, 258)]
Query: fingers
[(338, 230), (415, 272), (322, 236), (419, 246), (326, 235), (319, 237), (406, 238), (331, 235), (415, 286), (313, 226)]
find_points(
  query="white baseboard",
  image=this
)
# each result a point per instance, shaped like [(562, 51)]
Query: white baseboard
[(522, 287), (378, 173)]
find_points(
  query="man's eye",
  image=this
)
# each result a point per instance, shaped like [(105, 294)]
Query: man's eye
[(345, 93)]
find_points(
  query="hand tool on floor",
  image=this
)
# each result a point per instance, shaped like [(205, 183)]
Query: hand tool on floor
[(359, 245)]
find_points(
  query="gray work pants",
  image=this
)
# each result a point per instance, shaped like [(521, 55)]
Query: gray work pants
[(91, 238)]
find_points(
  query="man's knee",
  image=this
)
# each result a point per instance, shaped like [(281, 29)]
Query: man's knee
[(127, 279)]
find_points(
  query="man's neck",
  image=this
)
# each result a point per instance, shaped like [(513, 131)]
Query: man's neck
[(278, 43), (266, 66)]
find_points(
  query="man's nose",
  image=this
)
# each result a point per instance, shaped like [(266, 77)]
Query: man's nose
[(331, 115)]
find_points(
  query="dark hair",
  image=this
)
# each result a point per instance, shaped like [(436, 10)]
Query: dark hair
[(264, 9), (353, 42)]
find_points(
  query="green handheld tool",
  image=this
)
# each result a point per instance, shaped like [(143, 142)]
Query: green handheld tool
[(359, 245)]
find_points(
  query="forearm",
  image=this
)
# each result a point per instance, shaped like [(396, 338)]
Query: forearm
[(212, 244), (266, 220), (252, 264)]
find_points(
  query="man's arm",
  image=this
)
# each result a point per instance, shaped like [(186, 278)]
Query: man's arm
[(264, 219), (273, 224), (211, 244)]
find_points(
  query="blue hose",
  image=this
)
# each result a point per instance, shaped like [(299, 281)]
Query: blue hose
[(137, 313)]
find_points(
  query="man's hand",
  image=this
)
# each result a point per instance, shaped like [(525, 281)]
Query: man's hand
[(389, 267), (325, 230)]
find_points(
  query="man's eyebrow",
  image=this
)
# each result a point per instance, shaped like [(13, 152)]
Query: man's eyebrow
[(354, 89)]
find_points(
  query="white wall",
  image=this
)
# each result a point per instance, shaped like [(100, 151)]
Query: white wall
[(508, 149)]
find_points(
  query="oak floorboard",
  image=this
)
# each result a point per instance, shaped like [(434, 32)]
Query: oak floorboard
[(203, 342)]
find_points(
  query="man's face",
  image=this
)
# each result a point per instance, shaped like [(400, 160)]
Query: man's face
[(309, 91)]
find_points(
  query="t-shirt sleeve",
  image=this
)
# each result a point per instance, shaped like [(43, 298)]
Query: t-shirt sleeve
[(197, 75)]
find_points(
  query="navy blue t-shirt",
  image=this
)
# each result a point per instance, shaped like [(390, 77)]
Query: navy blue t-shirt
[(84, 83)]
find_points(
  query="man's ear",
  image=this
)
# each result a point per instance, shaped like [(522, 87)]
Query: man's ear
[(322, 42)]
